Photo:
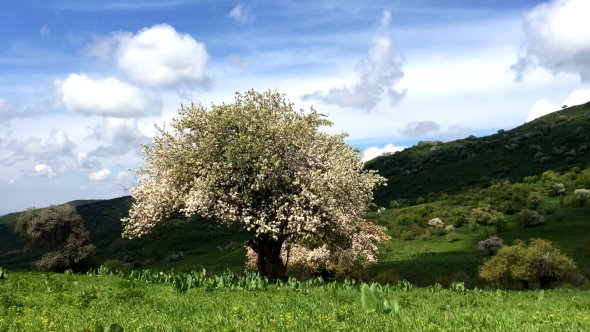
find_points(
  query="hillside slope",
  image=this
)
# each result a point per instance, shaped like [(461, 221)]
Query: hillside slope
[(555, 141)]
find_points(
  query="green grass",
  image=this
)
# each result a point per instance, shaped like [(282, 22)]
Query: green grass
[(38, 302)]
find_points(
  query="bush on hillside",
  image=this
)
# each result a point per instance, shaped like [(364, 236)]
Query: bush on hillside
[(490, 245), (59, 229), (529, 218), (557, 189), (486, 216), (540, 262), (535, 199), (581, 197)]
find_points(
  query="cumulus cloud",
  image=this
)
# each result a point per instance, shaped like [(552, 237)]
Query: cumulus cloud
[(417, 129), (377, 75), (241, 13), (122, 176), (544, 107), (44, 170), (84, 160), (101, 175), (106, 96), (557, 38), (157, 56), (454, 132), (9, 112), (374, 151), (57, 143), (119, 137)]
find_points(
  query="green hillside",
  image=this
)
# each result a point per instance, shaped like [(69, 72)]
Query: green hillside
[(196, 242), (556, 141), (416, 252)]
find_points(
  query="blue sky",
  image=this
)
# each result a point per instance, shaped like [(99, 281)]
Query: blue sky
[(83, 82)]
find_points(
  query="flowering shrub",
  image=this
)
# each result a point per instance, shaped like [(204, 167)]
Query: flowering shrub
[(490, 245), (581, 197), (528, 218), (435, 222)]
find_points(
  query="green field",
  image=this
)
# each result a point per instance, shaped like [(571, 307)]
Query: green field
[(63, 302)]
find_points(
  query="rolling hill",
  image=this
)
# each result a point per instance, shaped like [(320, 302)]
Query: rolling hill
[(446, 175), (556, 141)]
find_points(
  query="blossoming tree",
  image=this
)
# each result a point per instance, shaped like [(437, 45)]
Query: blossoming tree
[(263, 165)]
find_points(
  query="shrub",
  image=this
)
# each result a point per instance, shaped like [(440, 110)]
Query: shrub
[(395, 204), (435, 222), (60, 229), (541, 261), (452, 237), (535, 199), (529, 218), (580, 197), (490, 245), (509, 207), (486, 216), (557, 189)]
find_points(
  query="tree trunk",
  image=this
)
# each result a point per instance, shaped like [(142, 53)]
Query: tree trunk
[(269, 261), (525, 284), (544, 283)]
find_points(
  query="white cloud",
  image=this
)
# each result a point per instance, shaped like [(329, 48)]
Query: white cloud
[(557, 38), (385, 19), (11, 181), (377, 75), (84, 160), (44, 31), (373, 151), (101, 175), (239, 62), (417, 129), (544, 107), (107, 96), (44, 170), (57, 143), (455, 132), (9, 112), (119, 137), (161, 57), (241, 13), (122, 176)]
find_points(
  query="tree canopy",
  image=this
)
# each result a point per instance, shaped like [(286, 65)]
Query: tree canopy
[(541, 261), (61, 230), (267, 167)]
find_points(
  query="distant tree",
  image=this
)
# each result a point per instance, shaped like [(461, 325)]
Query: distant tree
[(490, 245), (268, 168), (557, 189), (581, 197), (59, 229), (535, 199), (541, 261), (530, 218)]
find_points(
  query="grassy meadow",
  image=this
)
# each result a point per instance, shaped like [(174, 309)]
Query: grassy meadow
[(70, 302)]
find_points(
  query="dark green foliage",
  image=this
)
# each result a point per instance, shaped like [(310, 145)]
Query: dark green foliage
[(59, 229)]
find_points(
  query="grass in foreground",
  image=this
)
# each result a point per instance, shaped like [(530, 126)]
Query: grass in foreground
[(56, 302)]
